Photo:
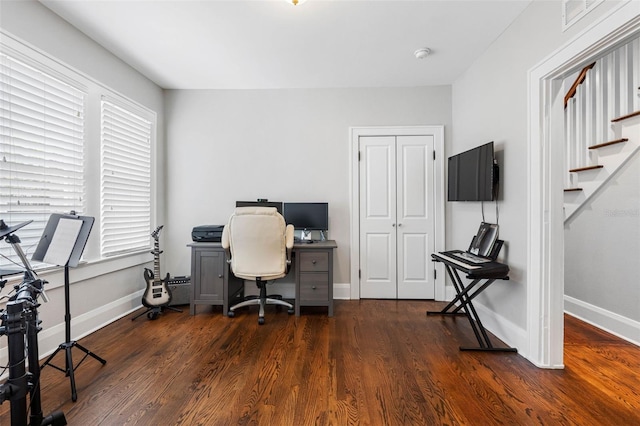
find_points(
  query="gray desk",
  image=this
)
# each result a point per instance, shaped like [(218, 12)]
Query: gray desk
[(213, 283)]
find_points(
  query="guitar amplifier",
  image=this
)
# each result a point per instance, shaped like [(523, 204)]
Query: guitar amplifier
[(180, 288)]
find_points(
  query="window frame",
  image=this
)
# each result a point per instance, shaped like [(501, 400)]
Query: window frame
[(96, 91)]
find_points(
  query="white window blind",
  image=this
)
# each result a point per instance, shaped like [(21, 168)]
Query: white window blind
[(41, 150), (125, 180)]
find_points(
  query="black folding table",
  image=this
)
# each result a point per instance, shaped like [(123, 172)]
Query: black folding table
[(482, 275)]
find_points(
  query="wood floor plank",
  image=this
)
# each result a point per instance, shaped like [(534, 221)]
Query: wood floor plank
[(376, 362)]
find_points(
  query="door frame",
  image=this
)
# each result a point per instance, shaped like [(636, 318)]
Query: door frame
[(437, 132), (545, 222)]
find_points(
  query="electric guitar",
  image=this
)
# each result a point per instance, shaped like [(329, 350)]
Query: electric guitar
[(157, 293)]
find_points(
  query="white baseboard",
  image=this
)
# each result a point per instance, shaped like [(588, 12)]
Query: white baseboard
[(342, 291), (503, 329), (82, 325), (608, 321)]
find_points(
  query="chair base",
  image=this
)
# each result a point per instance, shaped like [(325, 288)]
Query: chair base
[(261, 301)]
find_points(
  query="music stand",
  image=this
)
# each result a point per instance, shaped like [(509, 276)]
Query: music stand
[(62, 244)]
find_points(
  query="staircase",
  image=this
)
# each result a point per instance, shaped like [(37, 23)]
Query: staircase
[(602, 124)]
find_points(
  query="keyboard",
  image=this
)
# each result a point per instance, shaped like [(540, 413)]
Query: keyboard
[(470, 257), (457, 261)]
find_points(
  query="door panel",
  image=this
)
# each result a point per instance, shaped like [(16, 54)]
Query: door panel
[(415, 222), (380, 255), (378, 217)]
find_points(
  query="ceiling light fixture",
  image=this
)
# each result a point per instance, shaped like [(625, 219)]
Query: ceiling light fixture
[(295, 2), (422, 52)]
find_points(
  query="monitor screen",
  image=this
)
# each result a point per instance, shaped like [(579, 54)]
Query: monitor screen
[(309, 216), (472, 175), (276, 204)]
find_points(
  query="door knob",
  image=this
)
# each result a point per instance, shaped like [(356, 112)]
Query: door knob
[(399, 224)]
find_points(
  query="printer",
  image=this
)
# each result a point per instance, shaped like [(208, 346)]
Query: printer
[(207, 233)]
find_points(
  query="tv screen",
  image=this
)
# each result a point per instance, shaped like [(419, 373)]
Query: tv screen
[(309, 216), (471, 175)]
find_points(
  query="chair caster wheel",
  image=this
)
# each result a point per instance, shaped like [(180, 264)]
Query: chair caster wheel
[(291, 311), (231, 314), (261, 321)]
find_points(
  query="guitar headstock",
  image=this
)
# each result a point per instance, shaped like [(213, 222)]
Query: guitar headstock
[(156, 233)]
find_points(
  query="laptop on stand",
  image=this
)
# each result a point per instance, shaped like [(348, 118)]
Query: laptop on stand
[(484, 246)]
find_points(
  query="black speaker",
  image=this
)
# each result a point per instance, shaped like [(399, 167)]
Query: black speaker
[(180, 288)]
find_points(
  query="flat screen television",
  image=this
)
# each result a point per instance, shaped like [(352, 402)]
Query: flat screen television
[(307, 216), (473, 175)]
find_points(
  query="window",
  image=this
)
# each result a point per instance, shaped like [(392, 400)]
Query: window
[(125, 180), (41, 149), (69, 143)]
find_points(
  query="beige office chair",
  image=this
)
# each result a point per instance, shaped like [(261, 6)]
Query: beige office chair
[(258, 244)]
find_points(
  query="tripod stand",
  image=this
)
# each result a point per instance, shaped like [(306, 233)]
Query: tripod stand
[(62, 243), (69, 344)]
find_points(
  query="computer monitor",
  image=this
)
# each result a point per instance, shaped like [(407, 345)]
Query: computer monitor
[(307, 216), (276, 204)]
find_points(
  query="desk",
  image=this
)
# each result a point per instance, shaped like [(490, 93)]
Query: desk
[(482, 275), (213, 283)]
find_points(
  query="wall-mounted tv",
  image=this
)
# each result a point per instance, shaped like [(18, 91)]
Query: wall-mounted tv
[(473, 175)]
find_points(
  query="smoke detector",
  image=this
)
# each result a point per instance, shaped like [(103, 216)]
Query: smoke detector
[(422, 52)]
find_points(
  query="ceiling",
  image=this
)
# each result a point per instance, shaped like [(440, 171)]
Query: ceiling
[(269, 44)]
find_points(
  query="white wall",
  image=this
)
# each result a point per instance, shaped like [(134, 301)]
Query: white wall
[(490, 103), (284, 145), (602, 249), (100, 291)]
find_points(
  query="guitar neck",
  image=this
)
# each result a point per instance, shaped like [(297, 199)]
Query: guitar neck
[(156, 260)]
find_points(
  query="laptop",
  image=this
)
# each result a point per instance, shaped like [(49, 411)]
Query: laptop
[(484, 246)]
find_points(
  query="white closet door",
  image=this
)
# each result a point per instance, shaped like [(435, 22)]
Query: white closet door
[(378, 217), (415, 222), (396, 220)]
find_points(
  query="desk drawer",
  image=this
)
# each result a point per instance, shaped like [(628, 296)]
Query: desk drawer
[(314, 286), (312, 262)]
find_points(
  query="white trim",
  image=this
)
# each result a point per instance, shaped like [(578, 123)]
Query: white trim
[(438, 145), (82, 325), (545, 259), (85, 271), (341, 291), (502, 328), (622, 327)]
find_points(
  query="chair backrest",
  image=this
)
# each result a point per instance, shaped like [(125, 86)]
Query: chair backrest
[(256, 237)]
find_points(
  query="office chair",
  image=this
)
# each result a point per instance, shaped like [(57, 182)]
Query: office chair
[(258, 245)]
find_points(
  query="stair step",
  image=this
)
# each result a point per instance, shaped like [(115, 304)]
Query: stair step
[(601, 145), (582, 169), (624, 117), (572, 189)]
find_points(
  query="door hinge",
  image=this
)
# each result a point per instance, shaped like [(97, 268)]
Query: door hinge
[(358, 155), (359, 273), (435, 274), (434, 155)]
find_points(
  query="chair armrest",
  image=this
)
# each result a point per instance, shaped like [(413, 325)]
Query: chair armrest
[(225, 243), (288, 239)]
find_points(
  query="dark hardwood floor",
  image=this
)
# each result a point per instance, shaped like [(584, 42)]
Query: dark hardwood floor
[(374, 363)]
